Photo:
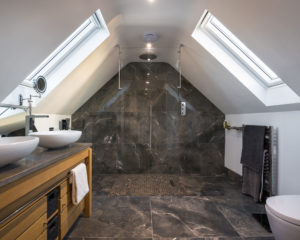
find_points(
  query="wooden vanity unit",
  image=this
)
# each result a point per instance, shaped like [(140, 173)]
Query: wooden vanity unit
[(35, 194)]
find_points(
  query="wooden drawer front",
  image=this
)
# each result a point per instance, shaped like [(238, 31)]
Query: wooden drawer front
[(69, 216), (66, 196), (25, 220), (66, 211), (43, 236), (63, 203), (35, 230), (65, 187)]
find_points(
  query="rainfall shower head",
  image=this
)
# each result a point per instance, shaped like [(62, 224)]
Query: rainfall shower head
[(148, 56)]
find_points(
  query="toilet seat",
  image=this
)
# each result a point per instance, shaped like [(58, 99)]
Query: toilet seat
[(286, 207)]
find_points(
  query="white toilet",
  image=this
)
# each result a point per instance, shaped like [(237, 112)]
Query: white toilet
[(284, 216)]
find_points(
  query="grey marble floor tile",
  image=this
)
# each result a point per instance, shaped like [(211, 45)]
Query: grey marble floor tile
[(69, 238), (239, 214), (260, 238), (204, 238), (116, 217), (191, 185), (213, 208), (188, 217), (196, 185), (117, 238), (103, 183)]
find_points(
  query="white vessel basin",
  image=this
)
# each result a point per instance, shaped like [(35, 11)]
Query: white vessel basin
[(57, 139), (15, 148)]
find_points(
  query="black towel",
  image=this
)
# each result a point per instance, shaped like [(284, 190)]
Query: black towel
[(253, 147)]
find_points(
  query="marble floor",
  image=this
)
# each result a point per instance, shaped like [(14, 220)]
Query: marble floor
[(211, 208)]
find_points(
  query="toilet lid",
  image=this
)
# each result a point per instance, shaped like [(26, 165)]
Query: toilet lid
[(286, 207)]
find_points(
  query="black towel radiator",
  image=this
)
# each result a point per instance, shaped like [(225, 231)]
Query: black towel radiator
[(270, 159)]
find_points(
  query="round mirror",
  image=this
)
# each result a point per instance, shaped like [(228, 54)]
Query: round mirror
[(40, 84)]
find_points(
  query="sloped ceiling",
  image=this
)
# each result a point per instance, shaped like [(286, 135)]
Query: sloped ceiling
[(32, 29)]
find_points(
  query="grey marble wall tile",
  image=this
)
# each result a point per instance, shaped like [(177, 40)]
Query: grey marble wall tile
[(197, 99), (143, 118), (105, 158), (200, 127), (104, 128), (165, 128), (166, 158), (133, 127), (103, 183), (203, 158), (133, 158)]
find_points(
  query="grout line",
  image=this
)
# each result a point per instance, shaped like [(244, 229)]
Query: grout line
[(151, 216)]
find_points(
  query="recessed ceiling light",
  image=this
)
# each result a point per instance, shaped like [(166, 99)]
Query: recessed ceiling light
[(151, 1), (149, 45), (147, 82)]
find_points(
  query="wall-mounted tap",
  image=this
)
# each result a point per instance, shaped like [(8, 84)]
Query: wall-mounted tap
[(29, 119)]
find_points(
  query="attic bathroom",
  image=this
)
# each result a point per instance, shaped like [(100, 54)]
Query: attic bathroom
[(149, 119)]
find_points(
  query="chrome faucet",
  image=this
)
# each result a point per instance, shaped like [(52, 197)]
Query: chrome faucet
[(11, 106), (29, 119)]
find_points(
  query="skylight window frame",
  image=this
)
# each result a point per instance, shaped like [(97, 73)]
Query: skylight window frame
[(63, 60), (239, 51), (85, 31)]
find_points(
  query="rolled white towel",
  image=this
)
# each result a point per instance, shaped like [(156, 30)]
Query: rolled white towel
[(79, 181)]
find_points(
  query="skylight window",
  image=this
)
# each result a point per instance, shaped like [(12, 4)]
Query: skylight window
[(94, 24), (62, 61), (243, 54), (242, 63)]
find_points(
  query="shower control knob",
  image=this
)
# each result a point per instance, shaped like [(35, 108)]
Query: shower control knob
[(183, 108)]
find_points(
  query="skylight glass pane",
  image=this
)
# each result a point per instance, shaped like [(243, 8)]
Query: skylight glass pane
[(86, 30), (243, 54)]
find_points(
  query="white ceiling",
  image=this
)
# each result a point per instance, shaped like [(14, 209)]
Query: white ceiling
[(32, 29)]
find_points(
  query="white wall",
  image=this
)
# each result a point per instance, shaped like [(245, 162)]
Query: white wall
[(16, 122), (43, 124), (287, 126)]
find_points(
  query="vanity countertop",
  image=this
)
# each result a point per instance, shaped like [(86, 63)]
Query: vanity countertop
[(39, 159)]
